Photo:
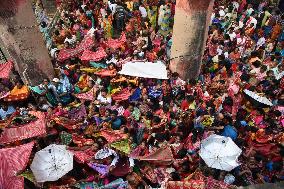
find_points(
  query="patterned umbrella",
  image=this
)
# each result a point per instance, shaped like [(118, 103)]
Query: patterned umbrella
[(220, 152), (52, 163), (255, 96)]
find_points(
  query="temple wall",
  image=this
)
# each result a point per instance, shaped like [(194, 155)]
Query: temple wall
[(192, 18), (23, 42)]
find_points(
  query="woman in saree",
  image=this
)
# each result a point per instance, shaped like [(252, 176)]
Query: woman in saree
[(49, 92), (18, 93), (83, 82), (152, 15), (107, 25), (62, 92), (110, 71), (164, 18)]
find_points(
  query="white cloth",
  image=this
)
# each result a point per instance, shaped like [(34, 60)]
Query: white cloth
[(143, 11), (145, 69)]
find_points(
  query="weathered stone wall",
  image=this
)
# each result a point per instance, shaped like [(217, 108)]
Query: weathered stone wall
[(189, 36), (21, 38)]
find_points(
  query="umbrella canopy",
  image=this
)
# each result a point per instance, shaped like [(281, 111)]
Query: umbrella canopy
[(255, 96), (220, 152), (52, 163)]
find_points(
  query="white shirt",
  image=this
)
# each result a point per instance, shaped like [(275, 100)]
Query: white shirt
[(235, 5), (232, 36), (112, 7), (104, 99), (260, 42), (253, 21), (222, 13), (70, 41), (143, 11)]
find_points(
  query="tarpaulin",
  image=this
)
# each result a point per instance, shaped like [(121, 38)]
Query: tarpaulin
[(116, 43), (33, 129), (5, 69), (93, 56), (86, 44), (14, 160), (145, 69)]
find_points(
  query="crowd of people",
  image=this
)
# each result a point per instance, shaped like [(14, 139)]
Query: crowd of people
[(117, 121)]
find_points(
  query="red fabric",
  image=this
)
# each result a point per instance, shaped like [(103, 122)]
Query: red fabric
[(191, 184), (184, 105), (162, 156), (93, 56), (65, 54), (113, 136), (84, 156), (68, 124), (30, 130), (81, 141), (14, 160), (116, 43), (5, 69), (122, 95), (264, 149), (90, 95), (122, 168), (106, 73)]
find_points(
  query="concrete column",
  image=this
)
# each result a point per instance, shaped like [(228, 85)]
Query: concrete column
[(21, 38), (191, 21)]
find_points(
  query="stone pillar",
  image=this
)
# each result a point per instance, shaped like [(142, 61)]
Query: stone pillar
[(190, 32), (23, 42)]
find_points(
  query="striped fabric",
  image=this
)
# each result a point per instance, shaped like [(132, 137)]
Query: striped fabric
[(30, 130), (14, 160), (4, 94), (93, 56), (86, 44), (90, 95), (5, 69)]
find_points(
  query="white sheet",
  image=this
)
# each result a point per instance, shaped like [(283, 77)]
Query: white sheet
[(145, 69)]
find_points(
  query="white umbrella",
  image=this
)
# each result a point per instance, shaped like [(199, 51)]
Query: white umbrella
[(258, 98), (52, 163), (220, 152)]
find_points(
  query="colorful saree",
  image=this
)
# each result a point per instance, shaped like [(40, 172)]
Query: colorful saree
[(18, 94)]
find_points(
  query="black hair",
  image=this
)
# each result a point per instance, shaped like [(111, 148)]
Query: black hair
[(182, 153), (115, 112), (156, 120), (175, 176)]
